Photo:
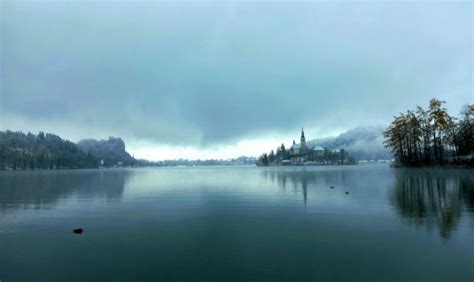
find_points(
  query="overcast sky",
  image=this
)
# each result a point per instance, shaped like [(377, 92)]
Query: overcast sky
[(208, 80)]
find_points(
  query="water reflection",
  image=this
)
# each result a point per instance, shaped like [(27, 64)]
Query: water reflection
[(434, 199), (312, 180), (298, 179), (44, 189)]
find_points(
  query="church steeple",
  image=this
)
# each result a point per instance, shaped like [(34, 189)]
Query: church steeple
[(303, 149)]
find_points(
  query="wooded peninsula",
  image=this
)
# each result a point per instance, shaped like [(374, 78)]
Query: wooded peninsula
[(431, 137)]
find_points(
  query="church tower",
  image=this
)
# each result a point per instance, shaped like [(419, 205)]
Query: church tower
[(303, 149)]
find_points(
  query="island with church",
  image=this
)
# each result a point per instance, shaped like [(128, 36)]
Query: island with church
[(305, 154)]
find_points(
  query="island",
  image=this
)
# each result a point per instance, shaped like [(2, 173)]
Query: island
[(305, 154)]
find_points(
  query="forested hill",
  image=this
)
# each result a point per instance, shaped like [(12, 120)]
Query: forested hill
[(111, 151), (48, 151), (363, 143)]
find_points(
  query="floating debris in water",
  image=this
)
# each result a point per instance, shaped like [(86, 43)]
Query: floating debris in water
[(347, 193), (332, 187), (77, 231)]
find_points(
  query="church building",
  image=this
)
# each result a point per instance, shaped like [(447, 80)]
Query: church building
[(302, 152)]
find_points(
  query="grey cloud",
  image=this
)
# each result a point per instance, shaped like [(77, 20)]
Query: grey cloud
[(207, 73)]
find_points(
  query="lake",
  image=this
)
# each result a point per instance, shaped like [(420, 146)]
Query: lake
[(238, 224)]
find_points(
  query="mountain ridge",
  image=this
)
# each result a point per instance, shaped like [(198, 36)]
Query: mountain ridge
[(363, 143)]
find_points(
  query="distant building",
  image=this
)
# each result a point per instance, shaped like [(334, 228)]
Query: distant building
[(299, 153), (305, 154)]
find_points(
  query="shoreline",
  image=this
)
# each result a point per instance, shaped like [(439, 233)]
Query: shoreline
[(288, 165), (434, 166)]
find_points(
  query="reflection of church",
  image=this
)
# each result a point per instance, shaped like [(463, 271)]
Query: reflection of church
[(302, 152)]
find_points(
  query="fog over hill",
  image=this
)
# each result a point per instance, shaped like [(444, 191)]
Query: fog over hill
[(363, 143), (111, 151)]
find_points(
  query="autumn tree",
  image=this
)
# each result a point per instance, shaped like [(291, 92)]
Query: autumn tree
[(432, 136)]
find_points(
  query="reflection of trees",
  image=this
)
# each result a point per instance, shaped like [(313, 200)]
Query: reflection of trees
[(302, 180), (467, 191), (42, 189), (433, 199)]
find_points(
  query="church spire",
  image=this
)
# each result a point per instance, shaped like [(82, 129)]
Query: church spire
[(303, 150)]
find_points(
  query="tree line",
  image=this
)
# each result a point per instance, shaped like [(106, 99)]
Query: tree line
[(431, 136), (20, 151)]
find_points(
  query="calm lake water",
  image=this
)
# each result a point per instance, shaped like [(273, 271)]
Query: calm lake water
[(238, 224)]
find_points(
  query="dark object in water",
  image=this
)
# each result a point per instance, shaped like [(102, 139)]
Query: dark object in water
[(77, 231), (332, 187), (347, 193)]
